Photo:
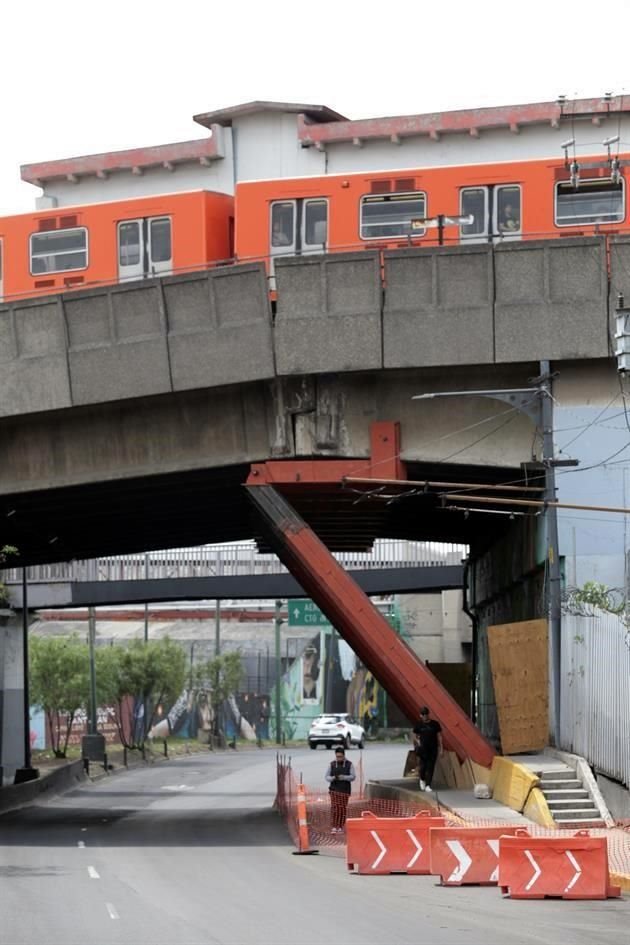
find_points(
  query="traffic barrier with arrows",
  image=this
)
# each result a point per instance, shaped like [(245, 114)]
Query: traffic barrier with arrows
[(572, 867), (467, 855), (379, 845)]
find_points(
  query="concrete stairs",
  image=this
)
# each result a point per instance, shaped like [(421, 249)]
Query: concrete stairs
[(569, 802)]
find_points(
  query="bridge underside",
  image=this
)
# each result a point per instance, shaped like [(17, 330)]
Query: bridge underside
[(210, 506)]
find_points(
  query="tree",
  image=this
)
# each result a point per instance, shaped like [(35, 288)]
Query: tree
[(59, 681), (5, 552), (149, 674), (594, 594), (222, 676)]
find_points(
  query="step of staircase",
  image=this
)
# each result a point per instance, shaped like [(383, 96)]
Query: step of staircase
[(560, 807), (572, 823), (559, 774), (560, 784), (567, 794)]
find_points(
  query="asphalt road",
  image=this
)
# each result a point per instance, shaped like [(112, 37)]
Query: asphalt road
[(189, 851)]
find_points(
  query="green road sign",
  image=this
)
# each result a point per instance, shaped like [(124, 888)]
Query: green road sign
[(304, 613)]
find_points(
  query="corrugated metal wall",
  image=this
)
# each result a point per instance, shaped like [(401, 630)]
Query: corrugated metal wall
[(595, 711)]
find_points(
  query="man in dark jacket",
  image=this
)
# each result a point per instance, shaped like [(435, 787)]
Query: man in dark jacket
[(340, 775), (427, 737)]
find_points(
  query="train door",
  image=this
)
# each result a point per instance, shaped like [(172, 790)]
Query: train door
[(297, 227), (145, 247), (495, 212)]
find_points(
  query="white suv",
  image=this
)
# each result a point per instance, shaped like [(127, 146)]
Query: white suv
[(336, 729)]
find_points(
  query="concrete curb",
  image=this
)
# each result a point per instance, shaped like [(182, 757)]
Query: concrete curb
[(55, 782)]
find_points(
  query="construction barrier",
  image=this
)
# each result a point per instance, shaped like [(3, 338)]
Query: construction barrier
[(563, 867), (467, 855), (378, 845)]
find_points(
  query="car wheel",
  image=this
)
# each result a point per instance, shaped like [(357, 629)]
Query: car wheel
[(348, 741), (361, 742), (313, 745), (328, 745)]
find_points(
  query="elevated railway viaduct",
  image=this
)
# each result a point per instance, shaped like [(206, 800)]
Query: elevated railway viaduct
[(131, 416)]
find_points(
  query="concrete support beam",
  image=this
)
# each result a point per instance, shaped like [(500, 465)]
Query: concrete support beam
[(11, 698)]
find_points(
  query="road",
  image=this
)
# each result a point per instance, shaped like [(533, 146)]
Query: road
[(189, 852)]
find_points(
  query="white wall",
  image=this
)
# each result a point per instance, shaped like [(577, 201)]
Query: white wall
[(123, 185), (266, 146)]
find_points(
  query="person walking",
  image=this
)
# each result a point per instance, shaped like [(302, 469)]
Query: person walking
[(340, 775), (427, 737)]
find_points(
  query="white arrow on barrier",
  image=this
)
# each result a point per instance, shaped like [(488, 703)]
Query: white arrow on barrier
[(537, 869), (417, 845), (463, 861), (494, 846), (578, 870), (383, 849)]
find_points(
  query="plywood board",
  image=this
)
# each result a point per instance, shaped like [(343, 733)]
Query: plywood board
[(519, 663)]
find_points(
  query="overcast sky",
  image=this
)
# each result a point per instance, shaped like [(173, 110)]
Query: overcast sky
[(80, 78)]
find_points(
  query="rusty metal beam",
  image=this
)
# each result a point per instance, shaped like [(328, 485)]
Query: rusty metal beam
[(409, 683)]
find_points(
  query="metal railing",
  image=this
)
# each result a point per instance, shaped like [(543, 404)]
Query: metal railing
[(231, 560)]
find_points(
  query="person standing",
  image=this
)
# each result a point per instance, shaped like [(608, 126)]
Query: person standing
[(427, 737), (340, 775)]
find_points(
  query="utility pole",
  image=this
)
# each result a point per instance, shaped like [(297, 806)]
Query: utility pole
[(146, 606), (27, 773), (554, 597), (93, 730), (277, 626), (217, 628)]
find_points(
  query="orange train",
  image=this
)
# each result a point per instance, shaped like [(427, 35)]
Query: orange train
[(56, 250)]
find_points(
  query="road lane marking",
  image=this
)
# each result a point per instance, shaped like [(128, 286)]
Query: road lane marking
[(112, 910), (81, 845), (176, 787), (92, 873), (83, 829)]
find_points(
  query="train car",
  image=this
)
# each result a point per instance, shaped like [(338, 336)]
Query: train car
[(451, 205), (57, 250)]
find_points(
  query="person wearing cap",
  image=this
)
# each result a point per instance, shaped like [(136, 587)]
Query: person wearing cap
[(340, 775), (427, 737)]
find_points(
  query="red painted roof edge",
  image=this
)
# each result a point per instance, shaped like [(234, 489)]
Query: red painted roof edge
[(208, 148), (472, 119)]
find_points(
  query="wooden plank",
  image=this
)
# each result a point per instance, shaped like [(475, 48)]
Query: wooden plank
[(520, 671)]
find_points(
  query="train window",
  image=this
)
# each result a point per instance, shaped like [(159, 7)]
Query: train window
[(283, 223), (474, 202), (59, 251), (593, 201), (129, 243), (315, 222), (391, 215), (507, 210), (160, 238)]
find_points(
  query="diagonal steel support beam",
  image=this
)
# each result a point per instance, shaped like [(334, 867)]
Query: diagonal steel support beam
[(409, 683)]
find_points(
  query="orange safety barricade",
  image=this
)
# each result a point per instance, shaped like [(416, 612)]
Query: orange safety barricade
[(303, 840), (379, 845), (467, 855), (567, 867)]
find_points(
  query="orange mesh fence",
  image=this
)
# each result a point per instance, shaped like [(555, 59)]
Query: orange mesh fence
[(320, 819)]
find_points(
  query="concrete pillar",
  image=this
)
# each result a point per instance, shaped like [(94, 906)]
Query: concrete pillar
[(11, 697)]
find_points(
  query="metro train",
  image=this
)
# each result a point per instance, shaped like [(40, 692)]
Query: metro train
[(58, 250)]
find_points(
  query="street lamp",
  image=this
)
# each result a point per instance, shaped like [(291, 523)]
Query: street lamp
[(537, 403)]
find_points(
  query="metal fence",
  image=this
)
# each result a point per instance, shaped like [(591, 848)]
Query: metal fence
[(595, 706), (230, 561)]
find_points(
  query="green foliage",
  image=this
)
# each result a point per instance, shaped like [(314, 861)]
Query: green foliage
[(5, 552), (595, 594), (153, 672), (222, 676), (59, 683)]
